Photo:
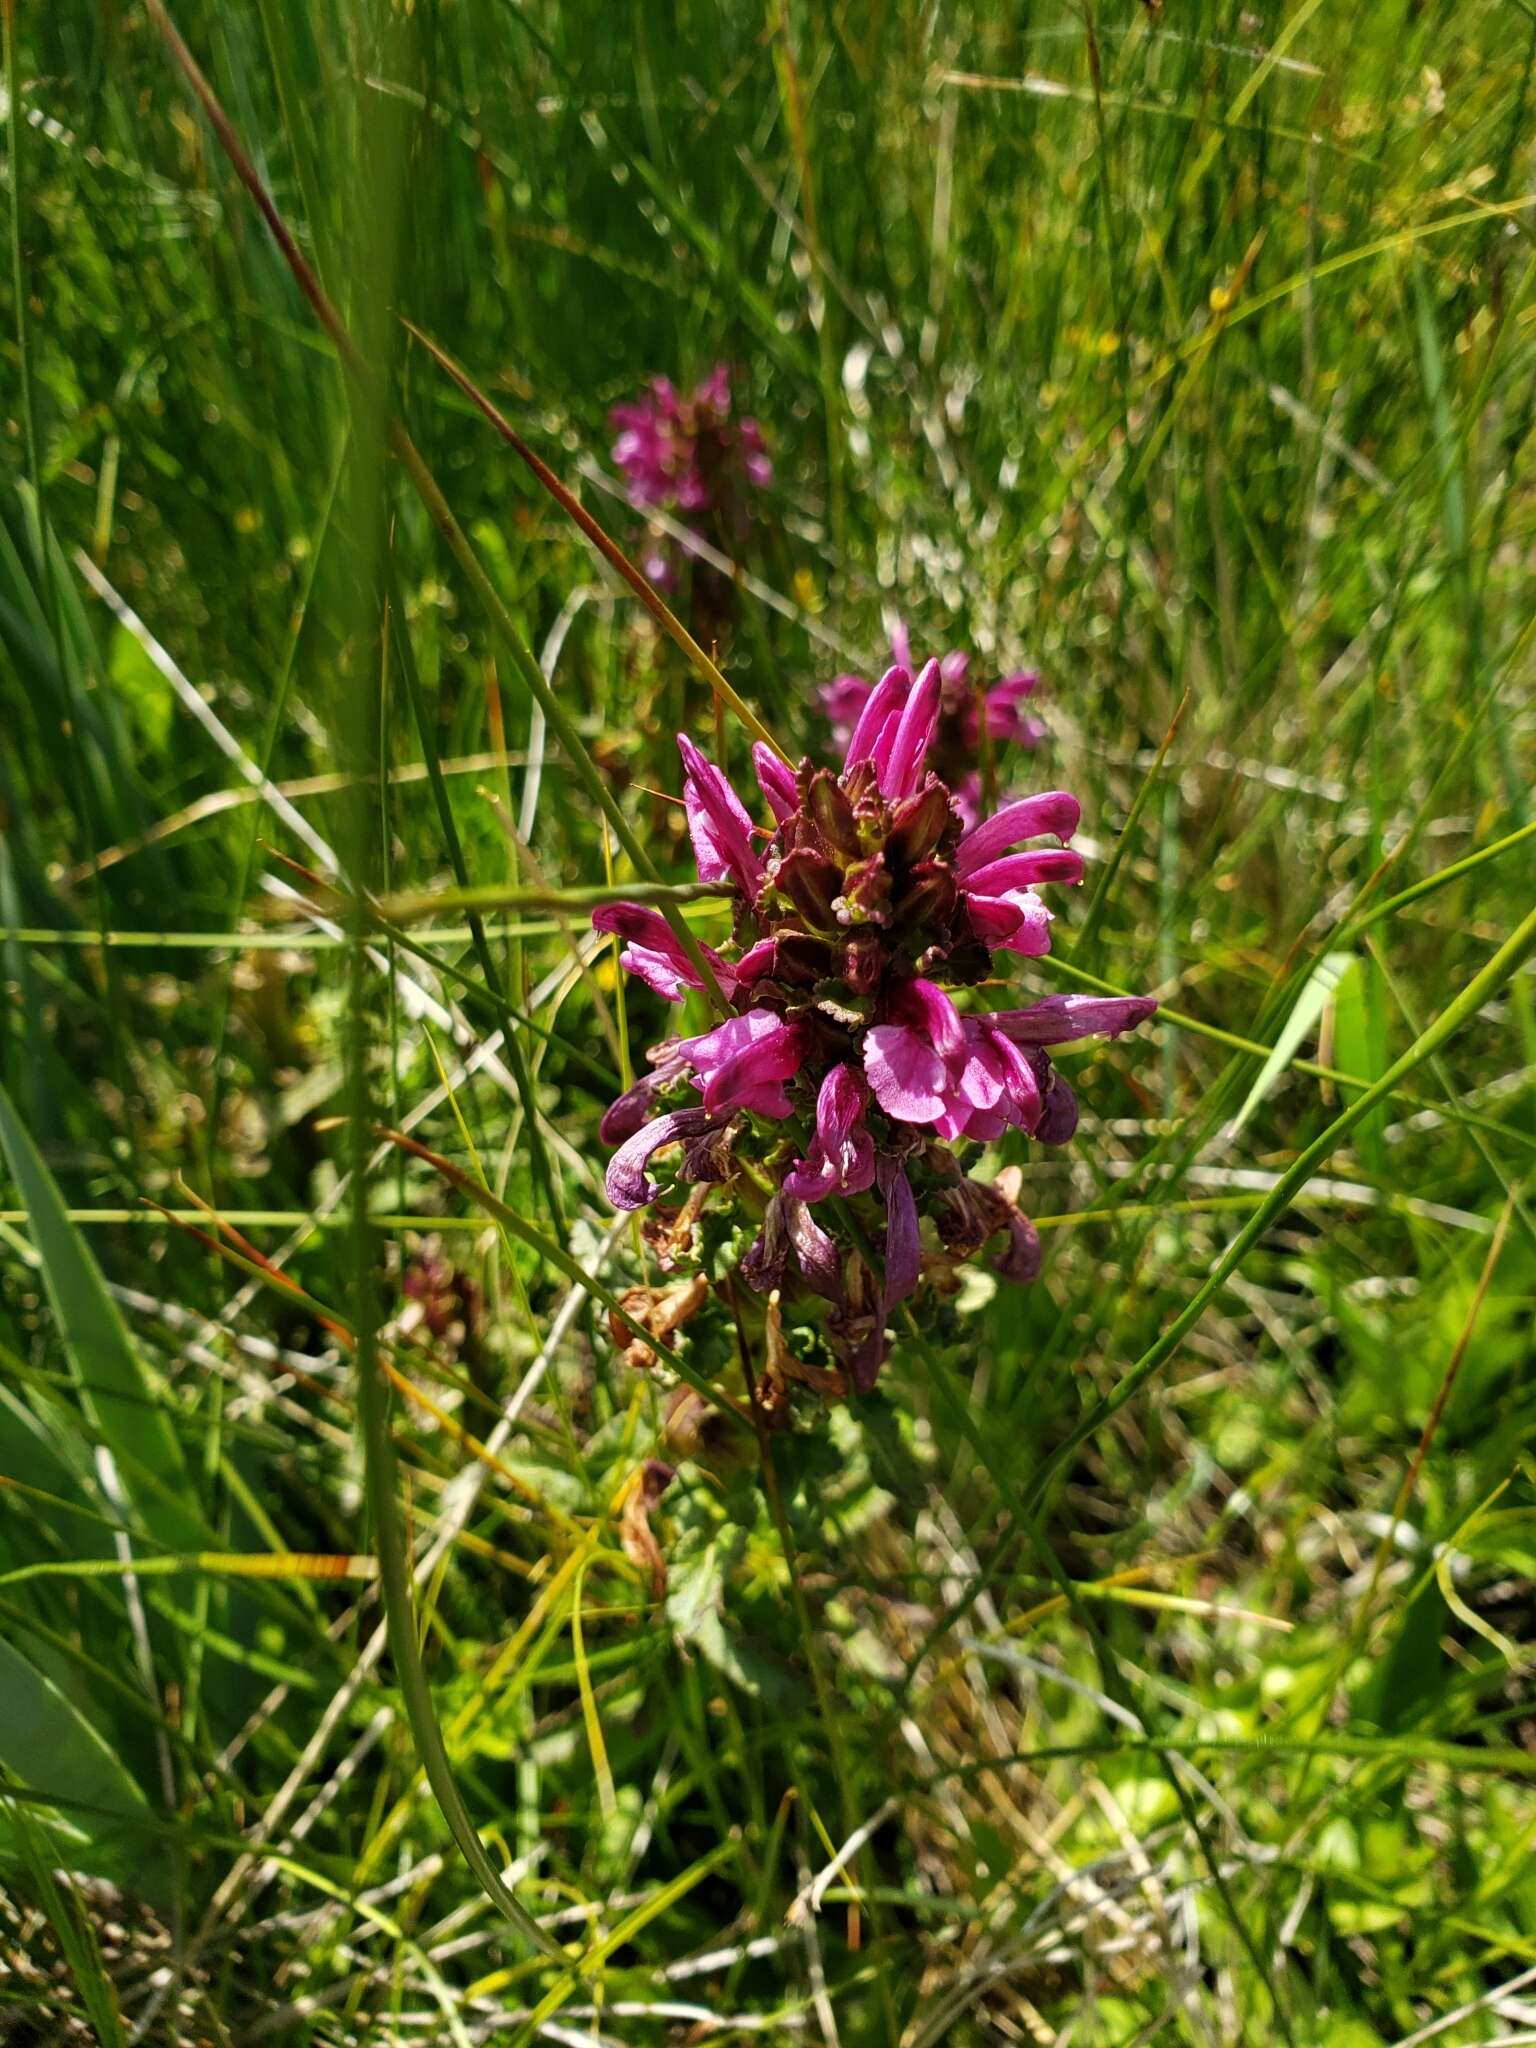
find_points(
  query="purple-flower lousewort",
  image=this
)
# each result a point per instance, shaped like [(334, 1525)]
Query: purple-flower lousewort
[(687, 456), (968, 708), (830, 1100)]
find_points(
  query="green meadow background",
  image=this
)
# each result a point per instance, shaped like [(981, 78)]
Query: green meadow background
[(1149, 1659)]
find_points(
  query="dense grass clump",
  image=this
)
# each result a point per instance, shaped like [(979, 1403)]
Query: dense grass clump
[(1146, 1657)]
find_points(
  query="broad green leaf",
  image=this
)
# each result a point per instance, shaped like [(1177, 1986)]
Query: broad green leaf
[(116, 1391), (49, 1747), (1319, 986)]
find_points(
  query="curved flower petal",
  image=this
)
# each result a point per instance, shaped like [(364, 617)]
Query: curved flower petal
[(776, 779), (1024, 870), (628, 1184), (1016, 923), (1058, 1020), (883, 703), (841, 1156), (1021, 1256), (744, 1062), (1055, 811), (627, 1112), (654, 953), (906, 1074), (718, 825), (816, 1254), (913, 735), (926, 1007), (1021, 1087), (1058, 1104), (902, 1249)]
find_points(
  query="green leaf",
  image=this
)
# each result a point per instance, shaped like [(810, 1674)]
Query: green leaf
[(71, 1925), (696, 1610), (1360, 1046), (116, 1392), (106, 1830), (1310, 1004)]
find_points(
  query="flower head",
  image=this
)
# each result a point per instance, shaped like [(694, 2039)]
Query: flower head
[(856, 1058), (687, 456)]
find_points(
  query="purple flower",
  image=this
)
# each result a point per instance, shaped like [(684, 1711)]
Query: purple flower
[(744, 1063), (959, 1076), (628, 1184), (654, 953), (1059, 1020), (841, 1158), (863, 910), (718, 824), (971, 1077), (963, 714), (675, 451)]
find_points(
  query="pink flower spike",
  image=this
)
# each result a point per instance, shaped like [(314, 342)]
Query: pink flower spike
[(841, 1158), (653, 953), (883, 703), (913, 736), (744, 1063), (777, 782), (718, 825), (1055, 811)]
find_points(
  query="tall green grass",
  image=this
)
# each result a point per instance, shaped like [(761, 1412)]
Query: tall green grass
[(1147, 1660)]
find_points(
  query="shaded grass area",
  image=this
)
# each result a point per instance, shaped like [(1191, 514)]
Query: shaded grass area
[(1163, 1690)]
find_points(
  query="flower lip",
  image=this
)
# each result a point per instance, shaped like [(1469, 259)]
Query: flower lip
[(626, 1182), (744, 1062), (1055, 811), (841, 1156)]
